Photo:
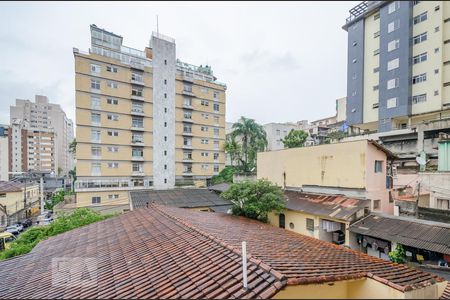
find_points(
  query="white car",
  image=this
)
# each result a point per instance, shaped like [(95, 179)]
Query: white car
[(19, 226), (13, 229)]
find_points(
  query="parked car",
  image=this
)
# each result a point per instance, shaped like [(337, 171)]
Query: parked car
[(5, 240), (26, 223), (19, 226), (13, 229)]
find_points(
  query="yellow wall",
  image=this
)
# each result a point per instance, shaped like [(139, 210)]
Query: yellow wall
[(85, 198), (321, 165), (14, 200)]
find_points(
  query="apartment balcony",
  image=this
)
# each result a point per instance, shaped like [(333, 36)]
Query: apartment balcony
[(137, 112), (186, 106), (96, 173), (189, 161), (188, 120), (137, 173), (137, 143), (96, 124), (188, 174), (137, 128), (136, 97), (137, 66), (187, 147), (187, 133), (187, 78), (136, 82), (137, 158), (188, 93)]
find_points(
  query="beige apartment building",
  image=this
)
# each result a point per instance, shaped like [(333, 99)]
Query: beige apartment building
[(145, 120), (398, 72), (43, 116)]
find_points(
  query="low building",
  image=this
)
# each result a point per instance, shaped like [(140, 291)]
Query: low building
[(18, 200), (276, 132), (378, 234), (167, 252), (4, 153), (190, 198), (324, 217), (355, 169)]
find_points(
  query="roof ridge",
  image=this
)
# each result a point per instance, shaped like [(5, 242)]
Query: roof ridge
[(257, 262)]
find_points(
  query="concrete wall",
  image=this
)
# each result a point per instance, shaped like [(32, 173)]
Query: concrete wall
[(4, 158)]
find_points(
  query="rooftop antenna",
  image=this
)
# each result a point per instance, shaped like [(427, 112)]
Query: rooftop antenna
[(157, 25)]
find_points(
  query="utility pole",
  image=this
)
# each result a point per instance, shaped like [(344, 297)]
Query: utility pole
[(25, 196), (42, 193), (417, 200)]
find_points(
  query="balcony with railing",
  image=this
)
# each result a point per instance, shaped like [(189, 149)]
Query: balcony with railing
[(137, 111)]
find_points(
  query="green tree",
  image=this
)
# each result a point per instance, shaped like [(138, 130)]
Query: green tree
[(73, 147), (73, 176), (232, 148), (59, 171), (255, 199), (295, 138), (398, 255), (252, 138), (226, 175), (334, 135)]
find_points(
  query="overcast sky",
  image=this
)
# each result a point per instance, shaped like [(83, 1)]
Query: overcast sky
[(281, 61)]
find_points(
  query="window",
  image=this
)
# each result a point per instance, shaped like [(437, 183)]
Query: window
[(392, 102), (354, 43), (354, 60), (137, 152), (216, 132), (394, 44), (113, 133), (375, 105), (111, 69), (187, 101), (419, 58), (436, 71), (204, 102), (96, 151), (392, 83), (354, 76), (204, 154), (137, 138), (187, 142), (95, 69), (420, 18), (420, 38), (378, 166), (112, 101), (187, 115), (415, 2), (165, 95), (205, 116), (216, 156), (216, 168), (136, 91), (377, 69), (376, 16), (204, 128), (394, 25), (165, 167), (187, 155), (216, 144), (354, 93), (376, 34), (419, 98), (96, 168), (96, 200), (436, 8), (165, 61), (113, 165), (95, 84), (113, 196), (137, 167), (436, 50), (393, 7), (137, 77), (309, 224), (216, 95), (95, 135), (376, 204), (436, 29), (112, 84), (187, 88), (95, 118), (278, 132), (205, 141), (113, 149), (216, 119), (443, 204), (392, 64), (216, 107), (187, 128), (95, 102), (419, 78), (187, 169), (113, 117), (375, 87), (137, 122), (204, 167)]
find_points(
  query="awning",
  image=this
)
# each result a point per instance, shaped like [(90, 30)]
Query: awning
[(330, 226)]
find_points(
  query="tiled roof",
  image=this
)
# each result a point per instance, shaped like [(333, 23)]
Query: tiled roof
[(141, 254), (338, 207), (300, 258), (184, 198), (221, 187), (422, 234), (446, 294), (11, 186)]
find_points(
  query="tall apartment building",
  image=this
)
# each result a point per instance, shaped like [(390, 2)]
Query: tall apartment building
[(43, 116), (4, 153), (144, 119), (31, 149), (398, 71)]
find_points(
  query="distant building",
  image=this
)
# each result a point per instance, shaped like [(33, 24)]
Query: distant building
[(43, 116), (4, 153), (354, 169), (14, 197), (276, 132)]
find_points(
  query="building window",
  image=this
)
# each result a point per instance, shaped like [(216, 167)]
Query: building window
[(95, 118), (376, 204), (216, 119), (419, 58), (187, 142), (111, 69), (443, 204), (187, 128), (420, 38), (216, 95), (95, 102), (95, 84), (310, 224), (375, 87), (377, 69), (216, 144), (391, 103), (419, 78), (137, 167), (216, 132), (376, 34), (165, 95), (187, 155), (393, 64), (204, 167), (393, 7), (436, 93), (354, 60), (113, 149), (165, 81), (95, 69), (112, 84), (205, 116), (187, 101), (165, 61), (420, 18), (187, 88), (394, 25), (205, 141), (394, 44), (96, 168), (376, 16), (415, 2), (216, 107), (419, 98), (95, 135), (204, 102), (96, 200), (204, 128), (96, 151), (112, 101), (436, 29), (113, 117), (137, 138), (137, 77), (113, 133), (187, 115), (135, 91), (113, 196), (113, 165), (436, 71), (137, 152), (354, 43), (392, 83), (216, 156), (204, 154), (216, 168), (165, 124), (378, 166)]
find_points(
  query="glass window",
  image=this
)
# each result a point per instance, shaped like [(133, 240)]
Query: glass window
[(136, 152), (96, 168), (137, 77), (393, 7), (420, 18), (392, 102), (309, 224), (216, 107), (393, 64), (420, 38), (419, 78), (187, 101), (394, 25), (95, 135), (95, 69), (394, 44), (96, 151), (96, 200), (111, 69), (112, 101), (378, 166), (95, 102), (187, 115), (136, 91), (113, 165), (95, 118), (95, 84), (392, 83), (113, 117), (419, 98)]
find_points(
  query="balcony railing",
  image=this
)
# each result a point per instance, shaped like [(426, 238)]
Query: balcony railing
[(137, 82), (137, 158), (137, 111), (137, 173)]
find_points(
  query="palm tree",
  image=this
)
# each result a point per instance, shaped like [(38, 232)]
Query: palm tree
[(252, 137), (232, 148)]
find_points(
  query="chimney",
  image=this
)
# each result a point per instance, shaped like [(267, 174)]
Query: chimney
[(244, 264)]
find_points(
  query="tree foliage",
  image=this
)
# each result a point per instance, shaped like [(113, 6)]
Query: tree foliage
[(255, 199), (398, 255), (226, 175), (295, 138), (73, 147), (335, 135), (30, 238), (251, 138), (57, 198)]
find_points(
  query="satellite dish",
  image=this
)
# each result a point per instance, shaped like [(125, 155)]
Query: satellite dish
[(421, 161)]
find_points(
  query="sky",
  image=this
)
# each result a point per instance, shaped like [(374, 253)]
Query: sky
[(281, 61)]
